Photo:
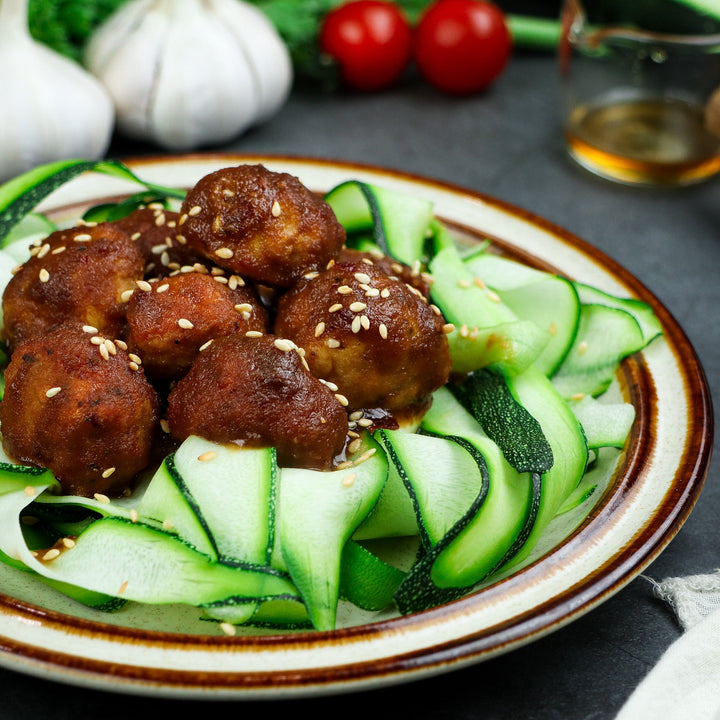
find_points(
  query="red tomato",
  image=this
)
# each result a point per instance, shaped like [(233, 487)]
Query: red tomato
[(461, 46), (371, 41)]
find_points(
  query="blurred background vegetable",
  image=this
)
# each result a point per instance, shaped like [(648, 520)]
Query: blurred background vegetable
[(190, 73), (50, 107)]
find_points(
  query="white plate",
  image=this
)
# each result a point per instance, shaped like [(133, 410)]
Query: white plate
[(647, 492)]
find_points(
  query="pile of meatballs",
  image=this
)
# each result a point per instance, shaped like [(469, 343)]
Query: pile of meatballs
[(241, 318)]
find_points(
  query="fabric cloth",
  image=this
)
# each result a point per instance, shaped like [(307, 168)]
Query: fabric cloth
[(685, 684)]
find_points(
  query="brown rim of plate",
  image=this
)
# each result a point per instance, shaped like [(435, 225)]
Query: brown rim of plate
[(597, 586)]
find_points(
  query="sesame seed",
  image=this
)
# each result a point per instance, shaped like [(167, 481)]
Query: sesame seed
[(121, 344), (44, 275), (44, 250), (284, 345), (144, 285), (276, 209), (219, 278), (133, 366), (372, 292), (363, 277), (101, 498), (447, 328), (126, 295), (577, 396), (68, 542), (110, 345), (354, 446), (224, 252), (82, 237), (136, 236), (52, 392), (228, 628), (163, 288), (185, 324), (167, 525), (122, 588), (165, 425), (334, 308), (344, 290), (227, 192), (89, 329), (356, 415), (29, 491), (134, 515), (182, 219), (385, 293), (355, 326), (464, 331), (253, 334), (195, 210), (383, 331), (552, 328), (16, 269), (341, 399), (349, 480), (108, 472), (358, 306), (365, 322), (207, 456), (332, 343), (319, 329), (104, 351), (368, 261), (160, 219), (97, 340), (244, 307), (464, 283), (436, 310), (582, 347), (479, 283), (206, 345), (181, 239), (365, 422), (51, 554), (492, 295)]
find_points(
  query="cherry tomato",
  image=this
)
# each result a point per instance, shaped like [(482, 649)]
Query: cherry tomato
[(371, 41), (461, 46)]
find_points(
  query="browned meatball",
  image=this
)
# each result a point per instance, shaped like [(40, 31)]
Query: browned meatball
[(413, 276), (170, 319), (79, 274), (372, 335), (77, 405), (263, 225), (257, 391), (154, 230)]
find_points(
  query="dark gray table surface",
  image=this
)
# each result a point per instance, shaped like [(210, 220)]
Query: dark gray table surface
[(506, 143)]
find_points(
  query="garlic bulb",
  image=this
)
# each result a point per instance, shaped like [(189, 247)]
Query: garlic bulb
[(50, 107), (188, 73)]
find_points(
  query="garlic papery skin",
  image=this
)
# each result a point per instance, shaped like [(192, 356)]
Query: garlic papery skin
[(50, 107), (185, 74)]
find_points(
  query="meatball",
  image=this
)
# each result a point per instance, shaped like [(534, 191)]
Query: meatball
[(371, 334), (154, 230), (413, 276), (79, 274), (170, 319), (75, 403), (266, 226), (257, 391)]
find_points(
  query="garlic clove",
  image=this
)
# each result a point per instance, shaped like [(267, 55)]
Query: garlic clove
[(116, 29), (265, 50), (130, 73), (205, 92), (51, 108)]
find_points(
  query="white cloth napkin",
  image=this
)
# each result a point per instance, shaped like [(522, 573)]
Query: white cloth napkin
[(685, 684)]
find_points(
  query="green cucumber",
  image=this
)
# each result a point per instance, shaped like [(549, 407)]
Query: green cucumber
[(550, 301), (317, 512), (400, 222), (23, 194), (492, 527), (604, 424), (606, 335), (487, 332), (233, 493), (33, 228)]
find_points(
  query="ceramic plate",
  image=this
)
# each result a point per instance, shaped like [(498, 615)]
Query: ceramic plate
[(645, 493)]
